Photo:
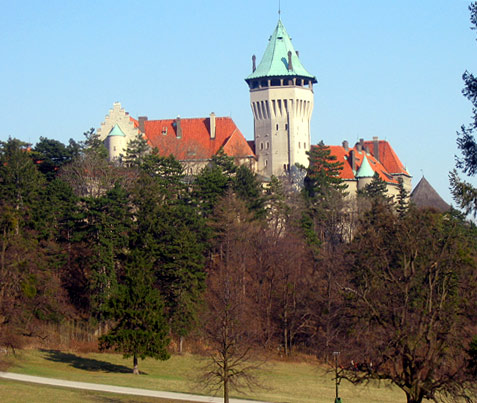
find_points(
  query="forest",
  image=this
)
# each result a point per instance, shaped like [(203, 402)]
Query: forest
[(140, 258)]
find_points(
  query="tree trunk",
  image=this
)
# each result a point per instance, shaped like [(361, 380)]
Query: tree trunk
[(226, 390), (181, 340), (413, 399), (135, 369)]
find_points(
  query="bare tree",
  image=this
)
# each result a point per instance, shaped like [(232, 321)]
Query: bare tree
[(229, 321), (410, 301)]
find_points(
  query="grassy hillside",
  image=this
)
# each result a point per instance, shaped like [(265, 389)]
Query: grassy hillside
[(283, 381)]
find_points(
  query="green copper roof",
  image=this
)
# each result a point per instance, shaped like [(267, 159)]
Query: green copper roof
[(365, 170), (275, 59), (116, 131)]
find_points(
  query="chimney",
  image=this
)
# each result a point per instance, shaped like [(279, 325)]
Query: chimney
[(352, 161), (346, 145), (376, 148), (290, 65), (254, 67), (359, 147), (366, 148), (178, 127), (141, 120), (212, 125)]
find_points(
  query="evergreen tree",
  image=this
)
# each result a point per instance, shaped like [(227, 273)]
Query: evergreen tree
[(137, 310), (51, 155), (106, 228), (249, 189), (376, 190), (324, 194), (465, 194), (402, 202), (172, 233), (136, 151), (323, 173)]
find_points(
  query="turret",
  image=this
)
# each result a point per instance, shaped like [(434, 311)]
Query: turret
[(281, 97)]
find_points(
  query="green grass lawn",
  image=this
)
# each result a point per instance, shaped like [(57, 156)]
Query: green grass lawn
[(14, 392), (283, 381)]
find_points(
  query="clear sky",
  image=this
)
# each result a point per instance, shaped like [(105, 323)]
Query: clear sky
[(391, 68)]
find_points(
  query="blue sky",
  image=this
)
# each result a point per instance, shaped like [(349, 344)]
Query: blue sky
[(385, 68)]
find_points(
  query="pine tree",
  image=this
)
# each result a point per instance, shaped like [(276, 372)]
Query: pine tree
[(465, 194), (402, 202), (138, 311), (376, 190), (136, 151), (323, 173)]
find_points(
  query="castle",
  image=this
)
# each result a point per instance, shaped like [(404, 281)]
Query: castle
[(281, 98)]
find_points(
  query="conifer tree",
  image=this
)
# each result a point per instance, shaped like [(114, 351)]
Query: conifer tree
[(402, 202), (323, 173), (140, 327), (465, 194), (376, 190), (136, 151)]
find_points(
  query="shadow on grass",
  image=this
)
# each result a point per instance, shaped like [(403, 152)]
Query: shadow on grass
[(87, 364)]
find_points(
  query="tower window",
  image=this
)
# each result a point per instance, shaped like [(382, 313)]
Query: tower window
[(266, 162), (268, 145), (286, 126), (304, 145), (299, 145), (261, 146), (277, 126)]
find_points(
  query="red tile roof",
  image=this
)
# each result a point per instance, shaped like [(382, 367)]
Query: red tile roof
[(387, 165), (195, 141), (387, 156)]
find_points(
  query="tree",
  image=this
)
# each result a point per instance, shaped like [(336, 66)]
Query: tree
[(465, 194), (140, 327), (136, 150), (376, 190), (402, 199), (228, 322), (323, 173), (51, 155), (409, 302), (174, 237)]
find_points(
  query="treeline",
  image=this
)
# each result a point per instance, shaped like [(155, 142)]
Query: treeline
[(143, 253)]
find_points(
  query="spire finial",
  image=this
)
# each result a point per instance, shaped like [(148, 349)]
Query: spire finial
[(279, 10)]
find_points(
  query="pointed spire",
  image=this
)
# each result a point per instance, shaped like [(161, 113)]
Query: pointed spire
[(116, 131), (276, 62), (365, 170)]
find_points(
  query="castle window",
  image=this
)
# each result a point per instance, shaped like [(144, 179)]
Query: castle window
[(266, 162), (277, 126), (261, 146), (304, 145), (299, 145), (268, 145), (286, 126)]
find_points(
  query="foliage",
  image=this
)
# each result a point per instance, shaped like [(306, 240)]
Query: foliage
[(409, 301), (465, 194), (323, 174), (137, 309), (51, 155), (136, 151), (376, 190)]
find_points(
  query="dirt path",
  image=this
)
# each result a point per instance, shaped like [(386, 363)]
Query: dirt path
[(117, 389)]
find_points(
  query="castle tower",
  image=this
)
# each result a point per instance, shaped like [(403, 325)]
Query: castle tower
[(281, 97)]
